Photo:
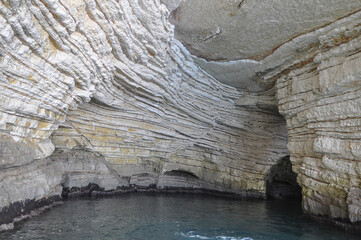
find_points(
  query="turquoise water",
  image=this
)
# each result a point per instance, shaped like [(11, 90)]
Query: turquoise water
[(179, 217)]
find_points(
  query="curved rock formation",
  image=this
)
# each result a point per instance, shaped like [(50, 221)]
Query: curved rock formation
[(100, 92)]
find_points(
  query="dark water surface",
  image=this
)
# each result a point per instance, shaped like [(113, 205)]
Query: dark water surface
[(168, 216)]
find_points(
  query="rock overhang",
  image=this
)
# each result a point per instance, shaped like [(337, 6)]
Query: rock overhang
[(234, 40), (153, 110)]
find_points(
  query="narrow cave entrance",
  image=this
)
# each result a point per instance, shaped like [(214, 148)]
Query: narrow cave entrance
[(281, 181)]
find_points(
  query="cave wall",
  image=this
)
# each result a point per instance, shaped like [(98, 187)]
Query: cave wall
[(228, 158), (101, 92), (320, 97)]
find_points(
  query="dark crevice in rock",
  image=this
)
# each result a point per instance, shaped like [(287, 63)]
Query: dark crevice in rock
[(281, 181), (99, 102), (181, 173)]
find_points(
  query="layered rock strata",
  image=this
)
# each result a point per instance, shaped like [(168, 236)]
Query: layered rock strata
[(108, 79), (100, 93), (317, 83), (320, 97)]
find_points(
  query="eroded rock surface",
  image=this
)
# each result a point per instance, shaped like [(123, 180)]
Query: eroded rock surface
[(100, 92), (108, 78), (321, 100), (251, 29)]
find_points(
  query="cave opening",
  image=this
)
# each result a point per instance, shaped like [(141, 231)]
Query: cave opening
[(281, 181), (181, 173)]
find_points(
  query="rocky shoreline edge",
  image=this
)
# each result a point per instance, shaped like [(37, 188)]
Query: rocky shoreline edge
[(17, 212), (20, 211)]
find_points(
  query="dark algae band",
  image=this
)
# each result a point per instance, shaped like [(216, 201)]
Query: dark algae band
[(24, 208)]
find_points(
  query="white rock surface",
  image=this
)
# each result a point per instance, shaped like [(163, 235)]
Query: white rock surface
[(226, 30), (109, 77), (321, 100), (106, 85)]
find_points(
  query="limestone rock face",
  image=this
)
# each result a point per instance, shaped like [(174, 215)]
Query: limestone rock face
[(321, 99), (316, 66), (251, 29), (101, 92), (108, 79), (236, 40)]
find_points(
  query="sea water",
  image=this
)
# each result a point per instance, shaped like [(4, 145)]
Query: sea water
[(138, 216)]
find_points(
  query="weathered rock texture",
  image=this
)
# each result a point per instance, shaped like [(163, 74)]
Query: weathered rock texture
[(251, 29), (321, 100), (100, 92), (108, 77), (318, 82)]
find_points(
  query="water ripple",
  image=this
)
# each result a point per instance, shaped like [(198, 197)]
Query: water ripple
[(192, 234)]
